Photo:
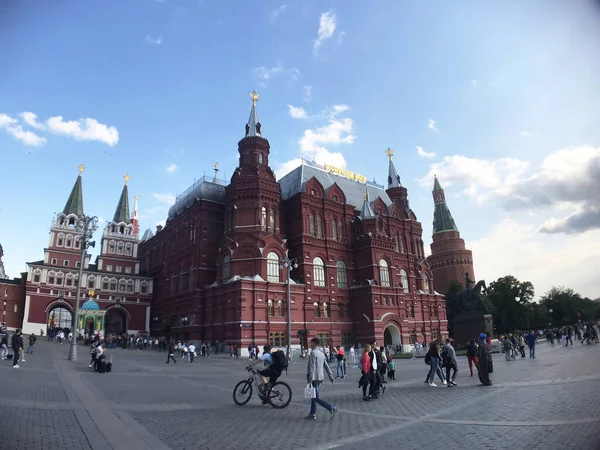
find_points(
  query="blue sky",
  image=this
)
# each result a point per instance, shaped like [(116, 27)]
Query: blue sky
[(499, 99)]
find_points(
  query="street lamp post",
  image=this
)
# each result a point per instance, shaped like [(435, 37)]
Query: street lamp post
[(89, 225), (289, 264)]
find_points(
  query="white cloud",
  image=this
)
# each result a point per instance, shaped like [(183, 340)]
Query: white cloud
[(297, 112), (307, 97), (314, 142), (12, 127), (167, 199), (276, 13), (87, 129), (264, 74), (431, 125), (474, 83), (31, 119), (423, 154), (525, 133), (327, 24), (287, 167), (171, 168), (154, 41), (513, 247)]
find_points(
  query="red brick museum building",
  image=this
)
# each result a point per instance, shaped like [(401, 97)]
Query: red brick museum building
[(361, 269)]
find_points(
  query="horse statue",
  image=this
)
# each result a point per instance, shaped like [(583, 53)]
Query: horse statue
[(473, 299)]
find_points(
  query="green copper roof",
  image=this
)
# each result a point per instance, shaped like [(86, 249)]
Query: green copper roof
[(436, 185), (122, 212), (75, 202), (442, 219)]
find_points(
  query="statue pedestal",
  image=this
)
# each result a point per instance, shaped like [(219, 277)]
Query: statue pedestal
[(469, 326)]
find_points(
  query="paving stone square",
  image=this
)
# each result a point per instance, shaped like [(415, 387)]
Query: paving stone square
[(552, 401)]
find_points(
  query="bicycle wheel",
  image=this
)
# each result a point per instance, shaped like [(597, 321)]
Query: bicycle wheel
[(280, 395), (242, 392)]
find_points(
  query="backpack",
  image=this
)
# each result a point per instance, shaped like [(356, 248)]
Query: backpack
[(428, 359), (280, 362)]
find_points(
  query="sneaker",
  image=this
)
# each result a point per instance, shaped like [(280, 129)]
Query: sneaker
[(375, 397), (454, 384), (16, 366), (445, 382), (384, 388), (23, 360), (333, 412), (311, 417), (432, 384), (366, 399)]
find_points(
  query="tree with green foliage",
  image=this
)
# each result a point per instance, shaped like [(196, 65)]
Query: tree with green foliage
[(511, 300), (568, 306)]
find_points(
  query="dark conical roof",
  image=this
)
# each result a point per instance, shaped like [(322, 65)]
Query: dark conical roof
[(75, 202), (122, 212), (442, 218)]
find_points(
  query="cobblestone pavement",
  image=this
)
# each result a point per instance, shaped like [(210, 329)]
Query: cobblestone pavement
[(552, 401)]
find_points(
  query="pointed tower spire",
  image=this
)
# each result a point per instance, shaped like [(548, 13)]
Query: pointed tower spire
[(122, 211), (74, 204), (367, 211), (134, 219), (393, 178), (442, 219), (253, 127)]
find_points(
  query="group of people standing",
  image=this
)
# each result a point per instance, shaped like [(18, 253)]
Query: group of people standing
[(374, 364), (17, 345)]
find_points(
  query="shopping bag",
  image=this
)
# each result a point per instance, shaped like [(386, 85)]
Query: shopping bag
[(310, 392)]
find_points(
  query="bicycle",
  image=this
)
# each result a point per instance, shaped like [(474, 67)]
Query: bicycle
[(275, 395)]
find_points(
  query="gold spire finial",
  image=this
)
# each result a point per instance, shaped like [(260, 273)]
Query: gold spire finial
[(81, 168), (390, 153), (126, 177), (137, 197), (91, 293), (216, 166), (254, 97)]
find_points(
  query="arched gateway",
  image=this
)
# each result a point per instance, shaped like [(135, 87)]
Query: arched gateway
[(391, 335)]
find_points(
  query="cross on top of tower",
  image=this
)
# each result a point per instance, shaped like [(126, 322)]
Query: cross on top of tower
[(126, 177), (390, 153), (81, 168), (254, 97)]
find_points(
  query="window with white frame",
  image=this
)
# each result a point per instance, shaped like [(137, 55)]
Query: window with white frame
[(112, 247), (280, 308), (263, 218), (384, 273), (36, 275), (425, 283), (273, 269), (318, 272), (270, 308), (105, 284), (404, 280), (91, 282), (144, 287), (342, 277)]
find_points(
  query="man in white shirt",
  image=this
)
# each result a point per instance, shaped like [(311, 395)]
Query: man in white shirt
[(192, 352)]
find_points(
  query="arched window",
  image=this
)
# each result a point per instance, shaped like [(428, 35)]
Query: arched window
[(425, 283), (260, 158), (270, 311), (51, 278), (404, 280), (273, 268), (76, 242), (130, 286), (60, 240), (192, 278), (105, 284), (384, 273), (113, 284), (317, 309), (311, 225), (69, 241), (128, 249), (319, 227), (226, 268), (396, 245), (272, 220), (111, 247), (120, 246), (342, 310), (122, 284), (334, 229), (263, 218), (36, 275), (318, 272), (341, 233), (280, 308), (69, 280), (342, 280), (325, 310), (59, 279), (383, 301)]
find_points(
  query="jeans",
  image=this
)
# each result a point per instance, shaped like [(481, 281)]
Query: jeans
[(341, 367), (30, 349), (451, 366), (3, 351), (314, 401), (532, 351), (16, 356), (191, 357), (432, 369)]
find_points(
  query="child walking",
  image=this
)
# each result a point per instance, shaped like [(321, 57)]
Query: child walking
[(392, 368)]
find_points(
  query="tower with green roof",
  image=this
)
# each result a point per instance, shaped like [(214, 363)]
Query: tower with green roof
[(449, 260)]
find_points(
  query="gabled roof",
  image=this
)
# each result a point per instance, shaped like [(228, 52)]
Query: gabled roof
[(74, 203), (148, 234), (367, 211)]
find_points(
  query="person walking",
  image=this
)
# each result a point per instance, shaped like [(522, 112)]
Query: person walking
[(531, 341), (365, 367), (17, 346), (341, 363), (568, 335), (192, 352), (171, 353), (317, 366), (450, 362), (4, 347), (32, 340), (433, 357), (472, 355)]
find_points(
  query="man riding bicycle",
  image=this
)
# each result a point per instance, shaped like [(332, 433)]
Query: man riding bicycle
[(270, 373)]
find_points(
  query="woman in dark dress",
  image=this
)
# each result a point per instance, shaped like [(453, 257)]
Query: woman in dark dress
[(485, 361)]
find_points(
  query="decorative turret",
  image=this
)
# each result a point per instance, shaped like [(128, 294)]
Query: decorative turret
[(442, 219), (134, 219), (216, 178), (397, 193), (253, 127), (74, 204), (367, 211), (122, 211)]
